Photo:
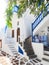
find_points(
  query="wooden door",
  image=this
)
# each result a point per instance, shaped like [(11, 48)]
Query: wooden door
[(12, 33), (0, 43), (18, 34)]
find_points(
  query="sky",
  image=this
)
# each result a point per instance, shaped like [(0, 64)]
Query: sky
[(3, 5)]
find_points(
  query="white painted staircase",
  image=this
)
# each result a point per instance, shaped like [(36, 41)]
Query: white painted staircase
[(46, 56), (13, 47)]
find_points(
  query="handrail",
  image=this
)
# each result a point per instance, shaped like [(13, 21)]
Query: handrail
[(39, 18)]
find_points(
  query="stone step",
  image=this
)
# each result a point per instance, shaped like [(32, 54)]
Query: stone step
[(34, 62), (38, 60), (45, 56), (12, 48), (47, 60), (46, 52), (11, 45), (14, 51)]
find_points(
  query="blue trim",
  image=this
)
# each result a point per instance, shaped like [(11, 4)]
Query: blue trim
[(20, 50), (39, 18), (5, 28)]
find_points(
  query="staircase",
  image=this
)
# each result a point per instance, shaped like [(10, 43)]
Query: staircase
[(12, 48), (30, 53), (28, 48), (46, 56), (11, 44), (36, 24), (15, 47)]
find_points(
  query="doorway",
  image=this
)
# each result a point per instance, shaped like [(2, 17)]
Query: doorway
[(0, 43), (12, 33), (18, 34)]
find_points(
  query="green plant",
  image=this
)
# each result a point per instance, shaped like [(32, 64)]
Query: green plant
[(35, 6), (9, 13)]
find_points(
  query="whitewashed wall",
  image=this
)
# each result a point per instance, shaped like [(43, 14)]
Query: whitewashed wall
[(25, 27), (25, 23), (38, 49)]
